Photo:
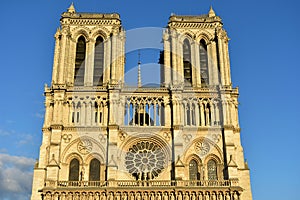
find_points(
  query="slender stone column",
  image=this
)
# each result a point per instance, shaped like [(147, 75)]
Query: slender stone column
[(62, 59), (56, 56), (114, 57), (227, 62), (89, 68), (167, 60), (180, 76), (221, 59), (107, 61), (196, 66), (174, 56), (214, 80)]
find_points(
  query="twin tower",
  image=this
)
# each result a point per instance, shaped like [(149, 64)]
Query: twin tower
[(105, 140)]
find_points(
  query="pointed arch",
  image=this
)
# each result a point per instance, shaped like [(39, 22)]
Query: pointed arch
[(98, 62), (204, 73), (80, 61), (212, 171), (194, 173), (74, 170), (94, 170), (187, 63)]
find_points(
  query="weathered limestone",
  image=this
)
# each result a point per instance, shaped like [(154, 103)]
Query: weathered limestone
[(179, 141)]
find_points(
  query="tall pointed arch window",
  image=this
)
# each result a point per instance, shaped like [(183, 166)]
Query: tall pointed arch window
[(74, 170), (98, 62), (187, 66), (193, 170), (94, 172), (212, 170), (80, 61), (203, 63)]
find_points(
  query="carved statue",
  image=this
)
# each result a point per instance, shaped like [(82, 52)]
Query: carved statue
[(97, 197), (214, 197), (110, 196), (200, 196), (145, 197), (152, 197), (131, 196), (118, 197), (220, 196), (179, 196), (138, 197), (124, 196), (235, 196), (207, 196), (172, 196), (158, 196), (193, 196), (227, 197), (166, 196), (103, 196), (186, 196)]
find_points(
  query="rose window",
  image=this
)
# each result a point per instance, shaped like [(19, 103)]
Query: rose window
[(145, 158)]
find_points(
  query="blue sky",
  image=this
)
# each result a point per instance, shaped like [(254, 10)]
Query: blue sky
[(264, 52)]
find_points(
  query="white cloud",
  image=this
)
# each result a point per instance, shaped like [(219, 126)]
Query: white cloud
[(25, 139), (15, 177), (5, 132)]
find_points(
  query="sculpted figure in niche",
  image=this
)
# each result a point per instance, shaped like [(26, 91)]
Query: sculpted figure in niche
[(63, 196), (111, 196), (152, 197), (90, 196), (103, 196), (179, 196), (166, 196), (70, 196), (145, 197), (220, 196), (83, 196), (214, 197), (172, 196), (118, 197), (76, 197), (124, 196), (227, 196), (48, 196), (186, 196), (131, 196), (200, 196), (158, 196), (207, 196), (235, 196), (193, 196), (138, 197)]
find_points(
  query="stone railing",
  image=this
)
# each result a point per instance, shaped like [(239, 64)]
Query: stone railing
[(152, 183)]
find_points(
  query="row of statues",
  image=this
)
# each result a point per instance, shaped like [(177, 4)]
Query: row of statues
[(180, 195)]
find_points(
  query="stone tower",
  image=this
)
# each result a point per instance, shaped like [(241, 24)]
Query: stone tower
[(103, 139)]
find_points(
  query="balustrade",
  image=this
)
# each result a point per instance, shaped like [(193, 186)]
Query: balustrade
[(150, 183)]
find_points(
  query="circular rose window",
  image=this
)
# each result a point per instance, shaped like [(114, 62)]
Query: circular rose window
[(145, 160)]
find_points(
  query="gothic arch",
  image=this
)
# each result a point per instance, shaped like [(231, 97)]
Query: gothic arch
[(193, 157), (103, 32), (206, 36), (187, 35), (81, 31), (136, 137), (211, 143), (92, 156), (214, 157), (71, 156), (65, 154)]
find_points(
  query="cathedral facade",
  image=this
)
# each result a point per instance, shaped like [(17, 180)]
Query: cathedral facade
[(103, 139)]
